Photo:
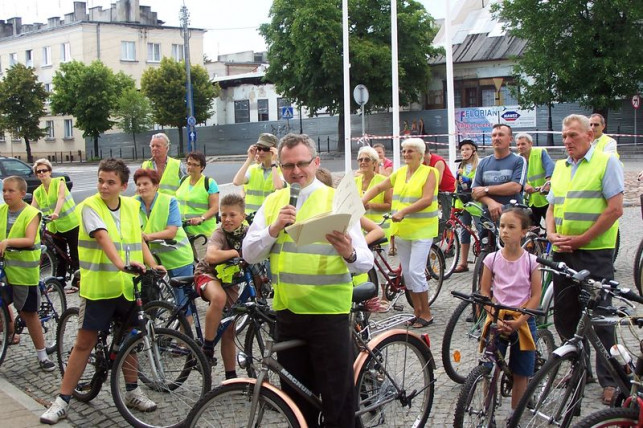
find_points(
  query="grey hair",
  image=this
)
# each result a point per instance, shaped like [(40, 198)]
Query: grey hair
[(42, 161), (415, 143), (291, 140), (162, 136), (525, 136), (370, 152), (582, 120), (600, 116)]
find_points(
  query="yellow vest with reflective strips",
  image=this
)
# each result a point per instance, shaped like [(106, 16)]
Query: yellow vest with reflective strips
[(169, 183), (536, 177), (602, 142), (424, 223), (258, 187), (47, 201), (578, 201), (193, 203), (311, 279), (371, 214), (21, 267), (99, 278), (170, 258), (458, 202)]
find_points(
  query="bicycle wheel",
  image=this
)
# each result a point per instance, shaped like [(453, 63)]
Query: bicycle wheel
[(545, 345), (434, 272), (173, 371), (47, 264), (255, 343), (95, 373), (450, 245), (477, 272), (395, 383), (476, 403), (229, 406), (553, 395), (638, 267), (461, 339), (615, 417), (617, 245), (53, 302), (5, 322), (164, 314)]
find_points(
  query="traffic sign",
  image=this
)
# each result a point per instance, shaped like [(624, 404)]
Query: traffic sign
[(360, 93), (191, 121), (287, 113), (636, 101), (192, 136)]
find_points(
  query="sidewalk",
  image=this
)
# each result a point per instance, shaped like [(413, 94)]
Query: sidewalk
[(19, 409)]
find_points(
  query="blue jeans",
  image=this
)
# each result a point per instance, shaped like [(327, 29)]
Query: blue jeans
[(179, 293)]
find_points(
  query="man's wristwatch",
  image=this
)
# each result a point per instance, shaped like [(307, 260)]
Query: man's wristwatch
[(202, 218), (486, 190), (352, 258)]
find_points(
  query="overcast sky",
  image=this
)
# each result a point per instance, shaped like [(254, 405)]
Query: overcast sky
[(232, 25)]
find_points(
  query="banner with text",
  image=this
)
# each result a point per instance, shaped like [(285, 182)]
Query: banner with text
[(472, 123)]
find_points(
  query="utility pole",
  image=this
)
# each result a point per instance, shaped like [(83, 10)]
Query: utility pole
[(191, 121)]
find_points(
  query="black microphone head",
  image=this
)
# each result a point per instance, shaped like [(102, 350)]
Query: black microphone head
[(294, 193)]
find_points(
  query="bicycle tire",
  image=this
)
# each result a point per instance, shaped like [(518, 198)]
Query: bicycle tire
[(553, 395), (614, 417), (228, 405), (434, 272), (477, 272), (545, 345), (165, 315), (638, 267), (461, 341), (395, 384), (95, 373), (5, 322), (50, 313), (178, 375), (470, 408), (48, 262), (450, 245), (255, 344), (617, 245)]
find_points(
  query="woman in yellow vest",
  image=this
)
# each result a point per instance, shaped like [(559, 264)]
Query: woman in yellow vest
[(415, 222), (198, 197), (53, 198)]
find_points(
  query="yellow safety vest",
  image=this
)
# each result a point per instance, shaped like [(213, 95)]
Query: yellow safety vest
[(21, 267), (47, 200), (194, 202), (311, 279), (471, 175), (578, 201), (536, 177), (157, 221), (99, 278), (171, 175), (424, 223), (602, 142), (258, 188), (371, 214)]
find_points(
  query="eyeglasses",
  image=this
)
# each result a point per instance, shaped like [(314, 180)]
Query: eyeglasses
[(193, 164), (360, 160), (263, 149), (41, 171), (300, 165)]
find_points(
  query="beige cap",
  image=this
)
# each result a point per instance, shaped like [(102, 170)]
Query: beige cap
[(267, 140)]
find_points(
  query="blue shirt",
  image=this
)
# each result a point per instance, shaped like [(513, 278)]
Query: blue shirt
[(492, 172), (174, 218), (547, 163)]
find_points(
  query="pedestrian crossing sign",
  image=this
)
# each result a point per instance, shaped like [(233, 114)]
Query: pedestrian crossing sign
[(286, 113)]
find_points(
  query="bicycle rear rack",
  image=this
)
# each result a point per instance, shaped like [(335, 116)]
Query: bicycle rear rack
[(375, 327)]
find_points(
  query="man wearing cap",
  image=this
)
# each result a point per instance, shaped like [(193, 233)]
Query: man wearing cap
[(263, 177), (539, 170), (170, 170)]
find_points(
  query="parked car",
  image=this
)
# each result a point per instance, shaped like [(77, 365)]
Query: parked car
[(12, 166)]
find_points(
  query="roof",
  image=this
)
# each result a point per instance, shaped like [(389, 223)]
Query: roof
[(483, 47)]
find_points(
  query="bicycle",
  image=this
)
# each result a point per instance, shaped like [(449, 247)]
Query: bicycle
[(53, 303), (393, 376), (492, 379), (169, 364), (194, 241), (554, 394), (638, 261), (55, 248)]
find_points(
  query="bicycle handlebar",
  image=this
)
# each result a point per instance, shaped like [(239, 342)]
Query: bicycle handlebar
[(486, 301)]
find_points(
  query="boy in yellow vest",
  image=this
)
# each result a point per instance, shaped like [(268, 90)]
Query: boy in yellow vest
[(109, 223), (19, 224)]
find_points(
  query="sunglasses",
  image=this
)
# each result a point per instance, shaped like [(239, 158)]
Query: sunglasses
[(263, 149), (41, 171), (360, 160), (300, 165)]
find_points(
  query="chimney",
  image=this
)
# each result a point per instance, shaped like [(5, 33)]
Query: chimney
[(53, 22), (16, 22), (80, 11)]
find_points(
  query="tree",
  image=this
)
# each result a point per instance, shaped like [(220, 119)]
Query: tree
[(134, 113), (22, 104), (304, 41), (577, 50), (165, 88), (90, 93)]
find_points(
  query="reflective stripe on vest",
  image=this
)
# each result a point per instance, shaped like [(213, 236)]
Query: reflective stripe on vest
[(21, 267), (191, 203), (311, 279), (258, 187), (169, 183), (171, 258), (372, 214), (579, 200), (536, 177), (422, 224), (67, 219), (100, 279)]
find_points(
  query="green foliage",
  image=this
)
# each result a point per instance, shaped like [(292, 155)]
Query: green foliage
[(22, 104), (90, 93), (134, 112), (577, 50)]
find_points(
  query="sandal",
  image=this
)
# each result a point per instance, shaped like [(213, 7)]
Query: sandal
[(460, 269), (411, 321), (15, 339), (421, 322)]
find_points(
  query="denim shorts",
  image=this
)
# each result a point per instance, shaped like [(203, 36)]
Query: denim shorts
[(521, 363)]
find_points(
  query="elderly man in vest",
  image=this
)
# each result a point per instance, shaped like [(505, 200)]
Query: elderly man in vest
[(312, 284), (170, 170), (585, 203), (539, 170), (602, 142)]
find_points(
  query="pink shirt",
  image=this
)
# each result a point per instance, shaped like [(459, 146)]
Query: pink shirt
[(511, 283)]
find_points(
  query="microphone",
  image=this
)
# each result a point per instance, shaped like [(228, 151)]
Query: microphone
[(294, 194)]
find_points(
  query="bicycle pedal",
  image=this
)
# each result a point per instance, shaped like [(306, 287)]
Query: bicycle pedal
[(398, 307)]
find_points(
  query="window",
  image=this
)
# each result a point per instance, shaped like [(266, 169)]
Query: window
[(262, 110), (29, 58), (153, 52), (488, 97), (177, 52), (507, 98), (49, 88), (49, 125), (128, 51), (282, 102), (69, 129), (13, 59), (46, 56), (65, 52), (241, 111), (15, 167)]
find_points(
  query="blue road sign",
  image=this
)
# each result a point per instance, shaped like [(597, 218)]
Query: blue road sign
[(287, 113), (191, 121), (192, 136)]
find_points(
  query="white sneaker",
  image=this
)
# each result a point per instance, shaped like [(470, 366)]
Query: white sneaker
[(56, 412), (138, 400)]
